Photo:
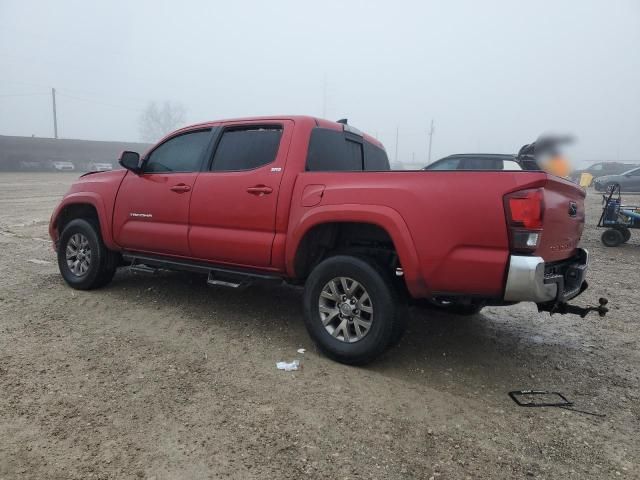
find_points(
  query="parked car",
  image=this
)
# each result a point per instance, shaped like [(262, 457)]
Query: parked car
[(313, 203), (60, 166), (99, 167), (602, 169), (629, 181), (30, 165), (476, 161)]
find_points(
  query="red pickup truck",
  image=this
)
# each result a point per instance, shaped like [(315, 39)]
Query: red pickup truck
[(313, 202)]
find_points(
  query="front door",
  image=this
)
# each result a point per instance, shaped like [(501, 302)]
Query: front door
[(152, 208), (233, 204)]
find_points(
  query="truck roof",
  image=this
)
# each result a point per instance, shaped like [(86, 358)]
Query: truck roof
[(319, 122)]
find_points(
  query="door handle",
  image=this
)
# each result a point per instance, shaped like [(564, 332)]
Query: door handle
[(180, 188), (260, 190)]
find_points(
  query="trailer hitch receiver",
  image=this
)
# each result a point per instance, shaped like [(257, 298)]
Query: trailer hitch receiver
[(563, 308)]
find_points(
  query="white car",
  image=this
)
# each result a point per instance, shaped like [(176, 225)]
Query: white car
[(63, 166), (100, 167)]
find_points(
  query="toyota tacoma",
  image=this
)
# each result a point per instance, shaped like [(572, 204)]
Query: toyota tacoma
[(313, 202)]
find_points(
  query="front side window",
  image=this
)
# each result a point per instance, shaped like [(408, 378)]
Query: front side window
[(179, 154), (246, 148)]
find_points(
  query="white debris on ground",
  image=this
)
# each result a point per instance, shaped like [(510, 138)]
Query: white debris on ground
[(37, 261), (288, 366)]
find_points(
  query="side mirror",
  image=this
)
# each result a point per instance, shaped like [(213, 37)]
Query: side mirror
[(130, 161)]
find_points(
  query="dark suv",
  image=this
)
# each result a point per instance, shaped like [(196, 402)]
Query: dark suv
[(479, 161)]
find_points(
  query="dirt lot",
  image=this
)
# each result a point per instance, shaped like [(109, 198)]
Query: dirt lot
[(168, 378)]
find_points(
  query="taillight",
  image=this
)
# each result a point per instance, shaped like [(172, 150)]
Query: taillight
[(524, 210)]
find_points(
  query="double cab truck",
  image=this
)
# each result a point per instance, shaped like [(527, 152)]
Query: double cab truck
[(313, 202)]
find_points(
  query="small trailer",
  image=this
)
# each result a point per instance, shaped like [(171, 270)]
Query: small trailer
[(617, 218)]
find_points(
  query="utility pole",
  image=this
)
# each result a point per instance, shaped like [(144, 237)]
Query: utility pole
[(430, 141), (397, 134), (324, 97), (55, 115)]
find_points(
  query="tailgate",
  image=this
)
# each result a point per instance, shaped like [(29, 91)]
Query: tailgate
[(563, 219)]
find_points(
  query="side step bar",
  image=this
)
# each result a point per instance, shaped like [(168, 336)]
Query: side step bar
[(216, 275), (212, 280)]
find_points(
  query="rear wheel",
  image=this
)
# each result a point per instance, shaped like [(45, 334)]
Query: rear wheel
[(84, 261), (352, 309), (626, 233), (612, 237)]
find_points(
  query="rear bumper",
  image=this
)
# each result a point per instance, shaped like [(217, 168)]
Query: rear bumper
[(530, 279)]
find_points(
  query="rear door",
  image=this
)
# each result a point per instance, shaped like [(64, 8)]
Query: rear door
[(233, 205), (151, 212)]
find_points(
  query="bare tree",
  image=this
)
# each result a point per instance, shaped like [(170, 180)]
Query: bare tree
[(158, 120)]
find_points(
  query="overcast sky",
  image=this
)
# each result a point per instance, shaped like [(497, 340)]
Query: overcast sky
[(492, 74)]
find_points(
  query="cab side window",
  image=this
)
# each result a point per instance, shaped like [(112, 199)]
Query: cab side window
[(179, 154), (246, 148)]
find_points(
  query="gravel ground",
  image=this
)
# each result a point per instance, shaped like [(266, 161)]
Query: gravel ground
[(163, 377)]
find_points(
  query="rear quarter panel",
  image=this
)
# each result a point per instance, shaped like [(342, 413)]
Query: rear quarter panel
[(455, 220)]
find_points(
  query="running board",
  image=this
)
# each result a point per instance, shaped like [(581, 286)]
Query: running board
[(212, 280), (142, 268), (216, 275)]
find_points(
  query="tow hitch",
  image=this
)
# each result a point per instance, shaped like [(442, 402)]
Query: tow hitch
[(563, 308)]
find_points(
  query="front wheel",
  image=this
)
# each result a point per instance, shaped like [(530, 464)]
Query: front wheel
[(351, 309), (83, 260)]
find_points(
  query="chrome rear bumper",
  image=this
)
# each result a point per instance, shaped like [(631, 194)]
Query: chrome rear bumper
[(530, 279)]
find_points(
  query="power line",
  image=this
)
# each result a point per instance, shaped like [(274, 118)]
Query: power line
[(99, 102), (22, 95)]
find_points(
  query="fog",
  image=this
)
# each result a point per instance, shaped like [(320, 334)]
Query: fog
[(492, 75)]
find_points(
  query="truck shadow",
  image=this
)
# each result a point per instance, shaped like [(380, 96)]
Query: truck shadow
[(503, 349)]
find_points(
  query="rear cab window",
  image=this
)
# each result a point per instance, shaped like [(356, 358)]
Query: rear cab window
[(333, 150)]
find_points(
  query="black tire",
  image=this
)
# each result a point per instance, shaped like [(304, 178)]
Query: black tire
[(102, 265), (626, 233), (612, 237), (387, 325)]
